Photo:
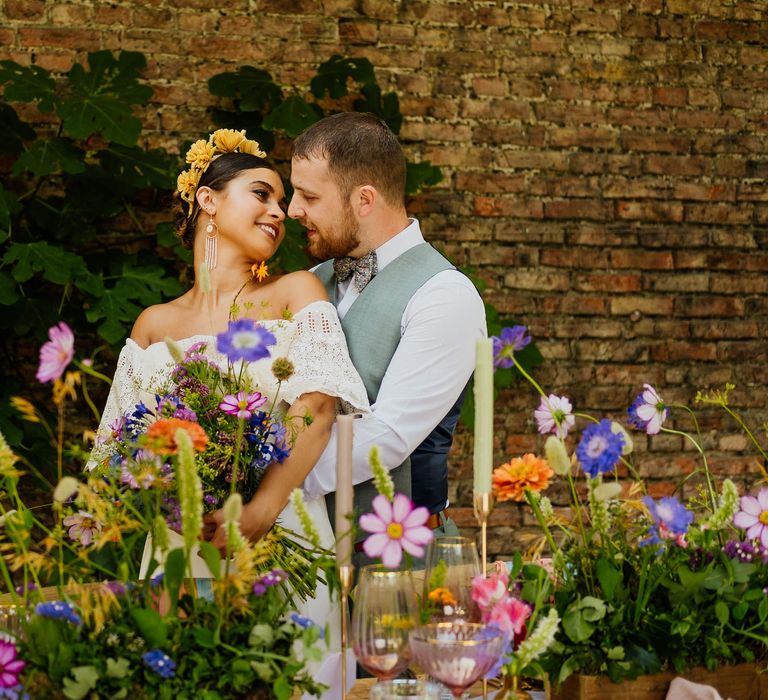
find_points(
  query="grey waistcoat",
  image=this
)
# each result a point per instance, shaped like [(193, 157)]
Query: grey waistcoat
[(372, 328)]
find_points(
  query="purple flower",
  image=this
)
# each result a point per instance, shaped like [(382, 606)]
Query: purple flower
[(600, 448), (57, 353), (671, 519), (271, 578), (10, 665), (554, 416), (510, 341), (743, 551), (243, 405), (16, 692), (647, 411), (395, 527), (82, 527), (245, 340), (753, 516), (58, 610), (160, 663)]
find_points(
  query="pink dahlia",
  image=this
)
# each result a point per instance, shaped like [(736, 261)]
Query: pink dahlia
[(395, 527)]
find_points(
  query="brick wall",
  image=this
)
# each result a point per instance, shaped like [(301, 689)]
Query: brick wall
[(604, 161)]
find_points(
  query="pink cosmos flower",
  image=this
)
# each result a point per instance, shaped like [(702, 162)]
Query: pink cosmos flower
[(487, 592), (10, 666), (395, 527), (243, 404), (753, 516), (57, 353), (82, 527), (554, 416)]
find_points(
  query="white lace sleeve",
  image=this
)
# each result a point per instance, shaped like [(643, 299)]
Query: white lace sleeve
[(318, 351), (128, 388)]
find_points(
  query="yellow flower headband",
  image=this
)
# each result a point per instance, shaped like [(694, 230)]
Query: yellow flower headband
[(202, 153)]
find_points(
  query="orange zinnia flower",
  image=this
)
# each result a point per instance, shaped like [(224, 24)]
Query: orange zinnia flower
[(441, 596), (161, 436), (512, 479)]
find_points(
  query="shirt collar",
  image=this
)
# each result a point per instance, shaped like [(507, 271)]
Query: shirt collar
[(408, 238)]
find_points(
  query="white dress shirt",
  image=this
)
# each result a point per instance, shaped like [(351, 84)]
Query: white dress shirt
[(430, 367)]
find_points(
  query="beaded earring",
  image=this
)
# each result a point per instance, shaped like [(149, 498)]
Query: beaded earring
[(211, 244)]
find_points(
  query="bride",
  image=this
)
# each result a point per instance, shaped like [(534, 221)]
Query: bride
[(232, 214)]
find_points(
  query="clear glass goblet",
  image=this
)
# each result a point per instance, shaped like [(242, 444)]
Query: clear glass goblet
[(451, 564), (456, 653), (405, 689), (384, 612)]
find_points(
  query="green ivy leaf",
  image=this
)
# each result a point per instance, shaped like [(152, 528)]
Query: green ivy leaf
[(151, 626), (85, 679), (333, 75), (252, 122), (56, 264), (148, 283), (117, 668), (49, 156), (292, 116), (28, 84), (8, 289), (421, 175), (387, 106), (721, 612), (14, 131), (254, 87), (282, 688), (139, 168), (118, 314), (204, 635), (99, 99)]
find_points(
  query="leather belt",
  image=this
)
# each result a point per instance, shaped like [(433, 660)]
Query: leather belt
[(433, 521)]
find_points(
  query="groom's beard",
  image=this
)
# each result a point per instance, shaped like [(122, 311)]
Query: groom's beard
[(340, 241)]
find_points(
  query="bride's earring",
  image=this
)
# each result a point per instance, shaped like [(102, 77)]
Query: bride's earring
[(211, 244)]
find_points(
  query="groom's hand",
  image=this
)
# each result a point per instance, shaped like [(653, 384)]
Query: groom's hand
[(213, 530)]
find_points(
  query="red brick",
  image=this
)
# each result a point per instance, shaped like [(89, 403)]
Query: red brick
[(24, 9), (718, 213), (573, 257), (488, 206), (689, 306), (656, 142), (677, 351), (650, 211), (584, 137), (677, 165), (60, 38), (607, 282), (577, 209), (647, 305), (708, 120), (642, 259)]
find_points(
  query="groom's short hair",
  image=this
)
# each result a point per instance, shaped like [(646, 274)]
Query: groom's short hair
[(360, 149)]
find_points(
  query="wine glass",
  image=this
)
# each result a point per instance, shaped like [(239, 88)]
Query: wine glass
[(451, 564), (405, 689), (456, 653), (385, 610)]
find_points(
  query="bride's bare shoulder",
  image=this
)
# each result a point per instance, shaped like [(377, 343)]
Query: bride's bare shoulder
[(301, 288), (153, 323)]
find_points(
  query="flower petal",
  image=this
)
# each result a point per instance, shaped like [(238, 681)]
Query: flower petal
[(749, 504), (392, 554), (375, 544), (744, 520), (418, 516), (383, 508), (419, 535), (372, 523), (401, 507)]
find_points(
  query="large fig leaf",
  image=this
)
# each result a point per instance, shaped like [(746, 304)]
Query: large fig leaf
[(254, 87), (27, 84), (333, 75)]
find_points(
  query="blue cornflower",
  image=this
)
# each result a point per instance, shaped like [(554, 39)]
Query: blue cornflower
[(157, 579), (600, 448), (670, 519), (505, 345), (58, 610), (306, 623), (160, 663), (245, 340)]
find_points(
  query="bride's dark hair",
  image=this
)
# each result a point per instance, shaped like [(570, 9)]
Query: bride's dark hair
[(221, 170)]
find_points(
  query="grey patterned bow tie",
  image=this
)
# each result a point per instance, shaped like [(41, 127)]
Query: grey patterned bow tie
[(364, 269)]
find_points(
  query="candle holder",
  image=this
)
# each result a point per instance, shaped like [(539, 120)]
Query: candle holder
[(346, 576), (483, 506), (483, 503)]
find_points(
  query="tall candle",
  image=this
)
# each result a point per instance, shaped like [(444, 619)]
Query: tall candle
[(344, 490), (483, 458)]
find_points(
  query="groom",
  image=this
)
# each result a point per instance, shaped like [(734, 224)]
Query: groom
[(410, 317)]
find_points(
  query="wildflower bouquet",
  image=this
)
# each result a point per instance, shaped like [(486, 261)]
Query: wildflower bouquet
[(107, 634), (641, 584)]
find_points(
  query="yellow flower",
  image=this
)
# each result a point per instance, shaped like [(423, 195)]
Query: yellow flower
[(25, 408), (7, 460), (186, 184), (65, 388), (252, 147), (260, 271), (227, 140), (200, 154)]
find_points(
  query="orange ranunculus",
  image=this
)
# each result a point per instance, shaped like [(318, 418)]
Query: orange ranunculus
[(161, 436), (441, 596), (512, 479)]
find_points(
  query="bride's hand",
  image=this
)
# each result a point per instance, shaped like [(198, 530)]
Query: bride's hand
[(252, 526)]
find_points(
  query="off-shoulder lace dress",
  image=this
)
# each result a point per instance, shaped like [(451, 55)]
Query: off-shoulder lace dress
[(314, 342)]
